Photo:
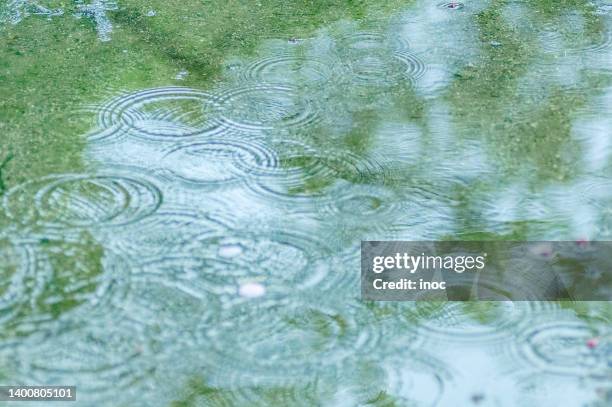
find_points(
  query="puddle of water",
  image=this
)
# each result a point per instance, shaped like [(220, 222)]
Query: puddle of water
[(225, 223)]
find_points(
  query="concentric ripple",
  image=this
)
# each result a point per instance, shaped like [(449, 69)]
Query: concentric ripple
[(237, 388), (452, 5), (189, 276), (304, 173), (82, 200), (368, 210), (19, 266), (287, 261), (286, 69), (218, 162), (558, 41), (598, 192), (561, 347), (477, 321), (266, 107), (408, 374), (167, 113), (527, 282), (313, 337), (167, 231), (367, 41), (175, 294), (382, 68), (363, 201), (414, 67), (108, 350), (45, 279)]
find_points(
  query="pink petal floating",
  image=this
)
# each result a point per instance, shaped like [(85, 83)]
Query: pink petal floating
[(592, 343)]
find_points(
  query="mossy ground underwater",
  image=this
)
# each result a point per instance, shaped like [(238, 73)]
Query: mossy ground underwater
[(53, 67), (156, 157)]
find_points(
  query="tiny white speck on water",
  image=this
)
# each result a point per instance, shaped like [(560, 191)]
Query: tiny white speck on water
[(181, 75), (151, 13), (251, 290), (230, 250)]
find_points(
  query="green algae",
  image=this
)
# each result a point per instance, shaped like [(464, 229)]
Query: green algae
[(49, 72), (198, 392), (71, 273), (3, 165), (526, 129), (50, 69)]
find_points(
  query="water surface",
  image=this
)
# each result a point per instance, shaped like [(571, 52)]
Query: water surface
[(484, 120)]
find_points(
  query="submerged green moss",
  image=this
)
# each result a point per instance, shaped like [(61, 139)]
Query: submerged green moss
[(526, 126), (198, 392), (50, 69), (70, 272)]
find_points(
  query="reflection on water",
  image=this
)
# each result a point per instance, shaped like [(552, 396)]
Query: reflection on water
[(17, 10), (468, 120)]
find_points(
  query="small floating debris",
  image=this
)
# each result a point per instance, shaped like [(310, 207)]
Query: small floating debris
[(230, 250), (452, 5), (592, 343), (252, 290), (495, 44), (151, 13)]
